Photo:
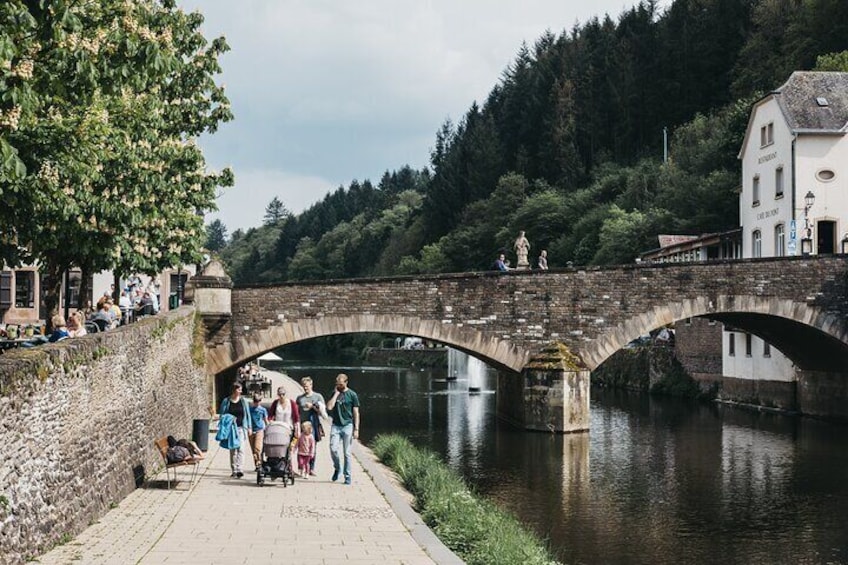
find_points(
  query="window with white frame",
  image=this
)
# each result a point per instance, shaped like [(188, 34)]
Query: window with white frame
[(756, 244), (731, 344), (767, 134), (779, 240), (778, 182), (756, 191)]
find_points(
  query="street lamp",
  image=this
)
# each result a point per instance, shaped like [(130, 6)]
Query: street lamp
[(807, 240)]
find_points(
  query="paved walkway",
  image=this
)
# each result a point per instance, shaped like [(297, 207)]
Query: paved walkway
[(231, 521)]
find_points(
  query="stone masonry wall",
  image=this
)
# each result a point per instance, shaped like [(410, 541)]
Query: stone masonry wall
[(78, 420), (697, 345)]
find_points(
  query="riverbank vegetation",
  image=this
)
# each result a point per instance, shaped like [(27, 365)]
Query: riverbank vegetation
[(567, 146), (475, 529)]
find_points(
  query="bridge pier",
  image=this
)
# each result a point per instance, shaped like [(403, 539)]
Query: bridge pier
[(823, 393), (551, 394)]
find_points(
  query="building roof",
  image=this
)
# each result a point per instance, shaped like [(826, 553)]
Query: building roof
[(669, 246), (811, 102), (666, 240), (815, 101)]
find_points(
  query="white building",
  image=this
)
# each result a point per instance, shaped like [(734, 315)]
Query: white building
[(794, 196)]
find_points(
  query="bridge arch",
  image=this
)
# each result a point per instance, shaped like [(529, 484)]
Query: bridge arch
[(499, 353), (809, 336)]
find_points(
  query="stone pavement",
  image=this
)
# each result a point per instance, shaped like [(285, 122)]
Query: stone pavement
[(229, 521)]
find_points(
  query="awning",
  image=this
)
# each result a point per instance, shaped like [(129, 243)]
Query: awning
[(270, 356)]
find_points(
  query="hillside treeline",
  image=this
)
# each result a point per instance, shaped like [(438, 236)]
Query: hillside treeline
[(568, 146)]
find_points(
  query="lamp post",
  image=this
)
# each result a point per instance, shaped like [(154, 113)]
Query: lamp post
[(807, 240)]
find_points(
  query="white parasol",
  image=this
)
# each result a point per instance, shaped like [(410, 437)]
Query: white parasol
[(270, 356)]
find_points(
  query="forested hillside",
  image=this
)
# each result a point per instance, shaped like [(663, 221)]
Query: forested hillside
[(568, 146)]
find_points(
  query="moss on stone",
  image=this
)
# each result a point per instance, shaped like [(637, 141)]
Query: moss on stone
[(556, 357), (198, 342)]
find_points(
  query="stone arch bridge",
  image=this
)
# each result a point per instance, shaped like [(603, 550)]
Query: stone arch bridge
[(510, 320)]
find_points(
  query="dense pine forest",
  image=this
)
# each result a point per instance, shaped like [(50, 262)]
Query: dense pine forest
[(568, 146)]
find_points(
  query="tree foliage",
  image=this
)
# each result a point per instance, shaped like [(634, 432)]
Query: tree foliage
[(100, 104), (216, 236), (275, 212)]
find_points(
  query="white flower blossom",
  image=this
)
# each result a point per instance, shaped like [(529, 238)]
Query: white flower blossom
[(24, 69), (10, 118)]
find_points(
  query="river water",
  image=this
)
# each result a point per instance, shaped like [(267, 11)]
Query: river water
[(654, 481)]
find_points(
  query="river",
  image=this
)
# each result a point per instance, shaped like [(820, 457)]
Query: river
[(654, 481)]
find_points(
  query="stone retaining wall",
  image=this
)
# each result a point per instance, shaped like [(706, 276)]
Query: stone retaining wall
[(780, 395), (78, 420)]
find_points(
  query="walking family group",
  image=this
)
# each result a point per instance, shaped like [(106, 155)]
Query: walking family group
[(293, 428)]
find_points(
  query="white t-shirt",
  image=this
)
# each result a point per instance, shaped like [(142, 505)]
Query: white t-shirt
[(283, 413)]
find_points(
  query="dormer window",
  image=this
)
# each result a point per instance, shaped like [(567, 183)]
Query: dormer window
[(767, 134)]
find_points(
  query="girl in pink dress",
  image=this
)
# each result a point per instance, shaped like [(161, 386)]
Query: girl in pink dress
[(305, 449)]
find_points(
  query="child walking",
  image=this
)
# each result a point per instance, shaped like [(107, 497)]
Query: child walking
[(305, 449)]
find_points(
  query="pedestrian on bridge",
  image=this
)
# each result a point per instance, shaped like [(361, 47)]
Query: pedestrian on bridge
[(343, 408)]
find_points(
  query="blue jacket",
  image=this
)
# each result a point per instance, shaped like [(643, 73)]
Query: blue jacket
[(227, 434), (246, 422)]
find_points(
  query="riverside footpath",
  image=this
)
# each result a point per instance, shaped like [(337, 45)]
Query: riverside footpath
[(221, 520)]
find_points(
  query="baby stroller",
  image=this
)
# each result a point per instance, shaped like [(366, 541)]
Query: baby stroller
[(276, 463)]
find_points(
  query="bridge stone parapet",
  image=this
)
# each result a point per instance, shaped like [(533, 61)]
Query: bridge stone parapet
[(506, 318), (79, 418)]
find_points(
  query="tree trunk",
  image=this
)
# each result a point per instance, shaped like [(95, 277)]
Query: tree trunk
[(116, 293), (85, 292), (53, 280)]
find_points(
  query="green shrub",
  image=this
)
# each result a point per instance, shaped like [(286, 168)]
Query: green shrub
[(474, 528)]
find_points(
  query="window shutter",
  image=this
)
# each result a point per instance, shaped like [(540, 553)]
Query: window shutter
[(5, 289)]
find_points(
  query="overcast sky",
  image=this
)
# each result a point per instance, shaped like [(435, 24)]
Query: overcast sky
[(327, 91)]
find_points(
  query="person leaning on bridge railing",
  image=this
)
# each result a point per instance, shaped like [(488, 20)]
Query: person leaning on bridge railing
[(543, 260), (500, 264)]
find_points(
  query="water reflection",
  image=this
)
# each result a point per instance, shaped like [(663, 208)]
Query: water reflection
[(653, 482)]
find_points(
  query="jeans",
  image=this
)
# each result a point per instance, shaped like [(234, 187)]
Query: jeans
[(237, 455), (341, 435)]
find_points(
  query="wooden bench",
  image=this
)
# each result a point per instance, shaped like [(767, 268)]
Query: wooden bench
[(162, 446)]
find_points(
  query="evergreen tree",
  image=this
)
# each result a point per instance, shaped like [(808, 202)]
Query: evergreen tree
[(216, 235), (275, 212)]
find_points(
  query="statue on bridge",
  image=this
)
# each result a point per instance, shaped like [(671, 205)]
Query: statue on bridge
[(522, 248)]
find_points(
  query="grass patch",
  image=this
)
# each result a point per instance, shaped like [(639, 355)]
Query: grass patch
[(474, 528)]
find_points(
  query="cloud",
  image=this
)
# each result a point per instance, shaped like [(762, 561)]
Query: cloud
[(243, 206)]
